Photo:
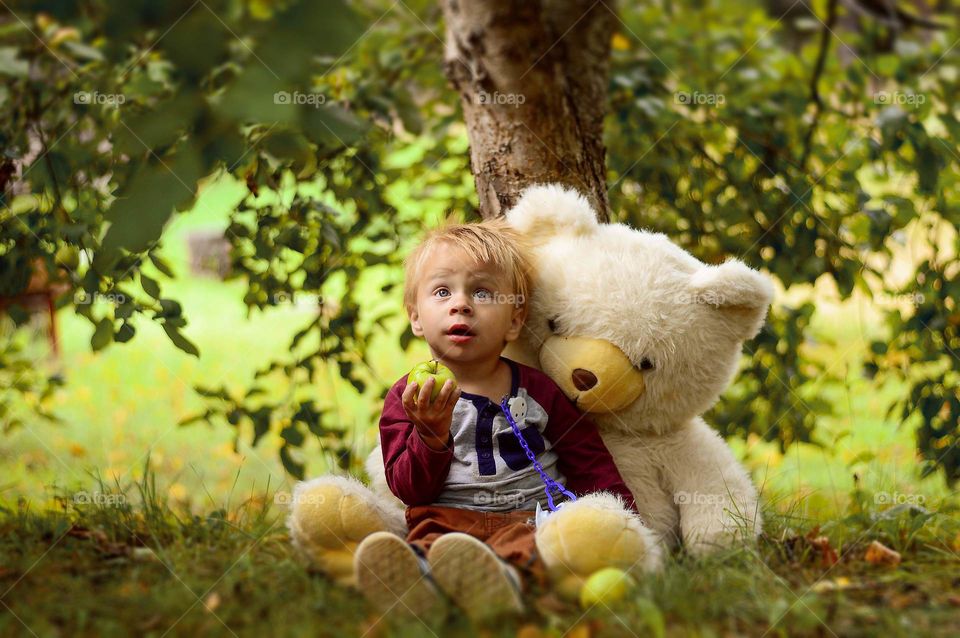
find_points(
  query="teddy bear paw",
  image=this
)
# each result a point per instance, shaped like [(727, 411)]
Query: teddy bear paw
[(591, 533), (329, 516)]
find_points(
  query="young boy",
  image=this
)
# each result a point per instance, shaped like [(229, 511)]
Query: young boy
[(469, 488)]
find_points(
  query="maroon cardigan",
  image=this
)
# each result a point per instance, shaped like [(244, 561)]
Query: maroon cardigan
[(416, 473)]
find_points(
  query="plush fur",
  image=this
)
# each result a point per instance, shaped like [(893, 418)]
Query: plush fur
[(650, 299), (662, 333)]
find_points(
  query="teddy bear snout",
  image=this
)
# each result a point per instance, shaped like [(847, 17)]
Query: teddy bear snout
[(583, 379), (594, 373)]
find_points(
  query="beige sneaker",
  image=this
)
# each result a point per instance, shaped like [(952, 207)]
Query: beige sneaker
[(394, 578), (474, 577)]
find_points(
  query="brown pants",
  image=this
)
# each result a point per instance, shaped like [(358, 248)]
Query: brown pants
[(509, 534)]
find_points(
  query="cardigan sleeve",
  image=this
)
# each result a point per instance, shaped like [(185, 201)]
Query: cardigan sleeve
[(415, 472)]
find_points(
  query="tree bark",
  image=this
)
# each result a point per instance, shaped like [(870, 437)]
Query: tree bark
[(532, 79)]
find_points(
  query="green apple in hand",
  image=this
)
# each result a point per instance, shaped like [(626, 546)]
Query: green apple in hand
[(433, 368)]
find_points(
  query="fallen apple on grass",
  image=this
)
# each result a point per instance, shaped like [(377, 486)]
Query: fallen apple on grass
[(608, 586)]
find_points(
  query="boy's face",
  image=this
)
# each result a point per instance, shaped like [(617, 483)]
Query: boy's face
[(465, 310)]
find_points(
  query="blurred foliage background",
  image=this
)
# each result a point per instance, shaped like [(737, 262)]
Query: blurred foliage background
[(816, 141)]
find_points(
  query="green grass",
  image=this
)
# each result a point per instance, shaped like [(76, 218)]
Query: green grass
[(123, 560)]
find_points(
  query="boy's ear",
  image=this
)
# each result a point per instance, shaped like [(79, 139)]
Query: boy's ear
[(517, 319), (415, 321)]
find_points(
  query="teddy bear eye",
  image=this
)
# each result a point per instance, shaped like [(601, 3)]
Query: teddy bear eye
[(552, 324), (646, 364)]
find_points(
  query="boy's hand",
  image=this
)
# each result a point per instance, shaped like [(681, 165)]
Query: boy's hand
[(432, 419)]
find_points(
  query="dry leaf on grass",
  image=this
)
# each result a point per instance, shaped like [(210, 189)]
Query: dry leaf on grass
[(212, 602), (880, 554), (529, 630), (837, 584), (828, 555)]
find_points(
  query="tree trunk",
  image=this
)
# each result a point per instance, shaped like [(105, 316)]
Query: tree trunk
[(532, 78)]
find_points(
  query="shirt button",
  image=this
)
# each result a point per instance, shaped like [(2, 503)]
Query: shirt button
[(484, 455), (484, 439)]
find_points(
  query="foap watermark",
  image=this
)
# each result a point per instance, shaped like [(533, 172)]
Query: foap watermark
[(83, 298), (899, 98), (500, 99), (911, 298), (698, 498), (696, 98), (310, 498), (503, 298), (99, 498), (299, 299), (316, 100), (704, 297), (898, 498), (513, 498), (96, 97)]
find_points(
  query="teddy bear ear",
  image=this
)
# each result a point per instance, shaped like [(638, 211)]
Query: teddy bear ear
[(548, 209), (736, 290)]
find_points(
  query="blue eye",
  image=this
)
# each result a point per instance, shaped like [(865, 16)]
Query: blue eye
[(439, 290), (484, 294)]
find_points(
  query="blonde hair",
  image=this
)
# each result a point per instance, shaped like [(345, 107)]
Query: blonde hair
[(489, 242)]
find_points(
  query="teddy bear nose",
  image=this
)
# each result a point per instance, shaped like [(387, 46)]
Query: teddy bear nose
[(583, 379)]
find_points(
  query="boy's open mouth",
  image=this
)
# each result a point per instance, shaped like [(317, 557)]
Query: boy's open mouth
[(460, 333)]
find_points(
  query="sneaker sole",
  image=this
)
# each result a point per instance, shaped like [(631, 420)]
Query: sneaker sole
[(389, 575), (473, 576)]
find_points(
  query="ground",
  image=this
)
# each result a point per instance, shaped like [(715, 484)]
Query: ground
[(116, 562)]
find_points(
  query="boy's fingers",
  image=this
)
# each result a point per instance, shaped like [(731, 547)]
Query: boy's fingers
[(444, 392), (408, 392), (408, 398), (424, 398), (452, 400)]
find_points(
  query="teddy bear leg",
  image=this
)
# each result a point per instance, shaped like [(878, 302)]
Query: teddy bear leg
[(591, 533), (330, 515)]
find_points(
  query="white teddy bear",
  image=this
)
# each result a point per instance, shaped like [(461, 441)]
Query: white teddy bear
[(644, 337)]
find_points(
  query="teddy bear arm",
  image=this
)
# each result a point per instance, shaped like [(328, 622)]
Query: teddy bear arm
[(717, 501)]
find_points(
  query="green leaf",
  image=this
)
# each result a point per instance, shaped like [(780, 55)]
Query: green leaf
[(652, 616), (307, 28), (169, 309), (140, 212), (10, 64), (295, 468), (201, 416), (292, 435), (124, 333), (291, 147), (257, 95), (161, 265), (406, 338), (159, 127), (332, 126), (102, 335), (261, 423), (150, 286), (83, 51), (180, 341)]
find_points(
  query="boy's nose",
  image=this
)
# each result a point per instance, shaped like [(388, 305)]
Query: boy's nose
[(461, 305)]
